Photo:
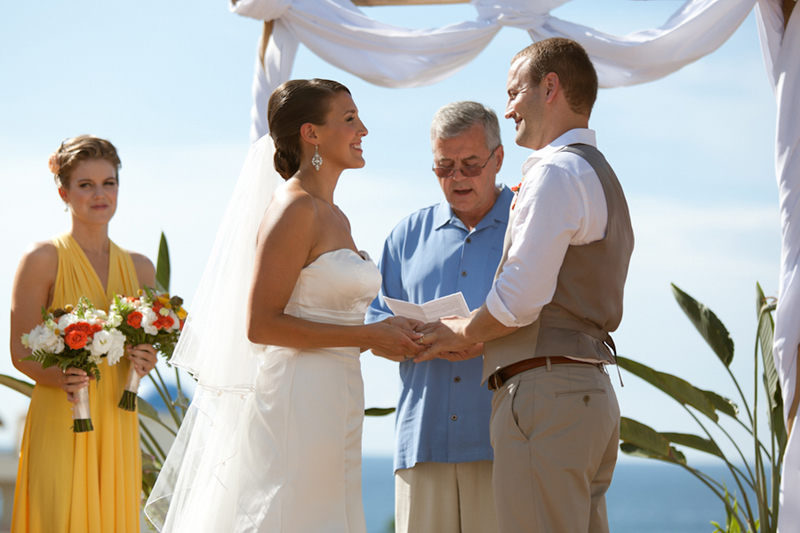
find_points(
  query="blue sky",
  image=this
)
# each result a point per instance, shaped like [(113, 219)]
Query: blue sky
[(169, 84)]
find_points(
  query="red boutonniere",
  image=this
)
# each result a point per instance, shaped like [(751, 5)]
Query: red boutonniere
[(515, 190)]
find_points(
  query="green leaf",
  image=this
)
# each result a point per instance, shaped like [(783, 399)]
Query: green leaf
[(693, 441), (145, 409), (707, 323), (162, 266), (766, 332), (679, 389), (722, 404), (643, 436), (379, 411), (636, 451), (18, 385)]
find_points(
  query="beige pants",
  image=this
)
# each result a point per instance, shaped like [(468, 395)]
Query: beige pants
[(555, 435), (445, 498)]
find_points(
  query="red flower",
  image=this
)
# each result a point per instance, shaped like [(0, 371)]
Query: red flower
[(76, 339), (157, 306), (182, 323), (164, 322), (96, 328), (135, 319)]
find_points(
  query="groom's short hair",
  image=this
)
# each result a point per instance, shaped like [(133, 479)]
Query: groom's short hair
[(454, 119), (570, 62)]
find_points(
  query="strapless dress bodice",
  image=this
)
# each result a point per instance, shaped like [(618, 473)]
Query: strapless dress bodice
[(336, 288)]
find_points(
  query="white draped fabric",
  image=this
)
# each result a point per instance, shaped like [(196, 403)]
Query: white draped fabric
[(781, 50), (391, 56)]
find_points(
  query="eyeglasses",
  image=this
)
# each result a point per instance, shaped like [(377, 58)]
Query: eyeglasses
[(468, 171)]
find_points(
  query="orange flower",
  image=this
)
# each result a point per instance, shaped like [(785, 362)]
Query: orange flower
[(164, 322), (135, 319), (76, 339)]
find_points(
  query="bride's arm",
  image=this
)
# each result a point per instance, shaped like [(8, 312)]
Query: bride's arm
[(286, 241)]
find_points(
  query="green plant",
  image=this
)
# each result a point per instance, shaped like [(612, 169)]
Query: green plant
[(751, 476)]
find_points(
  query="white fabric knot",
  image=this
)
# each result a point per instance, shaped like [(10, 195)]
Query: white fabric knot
[(525, 14), (260, 9)]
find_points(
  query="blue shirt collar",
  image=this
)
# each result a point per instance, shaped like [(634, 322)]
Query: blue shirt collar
[(443, 213)]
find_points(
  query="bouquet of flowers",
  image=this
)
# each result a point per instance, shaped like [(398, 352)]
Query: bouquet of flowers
[(151, 318), (76, 337)]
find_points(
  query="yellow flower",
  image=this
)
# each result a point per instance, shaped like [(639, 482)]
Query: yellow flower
[(68, 308), (182, 313), (141, 292)]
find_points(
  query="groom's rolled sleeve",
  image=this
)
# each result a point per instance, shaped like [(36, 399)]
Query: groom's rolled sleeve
[(550, 216)]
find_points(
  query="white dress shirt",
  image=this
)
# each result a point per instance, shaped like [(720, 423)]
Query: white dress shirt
[(561, 203)]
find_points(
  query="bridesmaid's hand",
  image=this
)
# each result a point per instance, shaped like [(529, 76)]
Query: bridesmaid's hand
[(72, 380), (143, 358)]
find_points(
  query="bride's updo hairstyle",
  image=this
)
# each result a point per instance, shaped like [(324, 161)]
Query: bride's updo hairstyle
[(77, 149), (291, 105)]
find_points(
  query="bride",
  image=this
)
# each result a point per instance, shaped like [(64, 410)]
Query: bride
[(272, 440)]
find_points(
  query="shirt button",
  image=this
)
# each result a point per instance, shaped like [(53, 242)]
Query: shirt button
[(457, 379), (469, 240), (454, 417), (464, 273)]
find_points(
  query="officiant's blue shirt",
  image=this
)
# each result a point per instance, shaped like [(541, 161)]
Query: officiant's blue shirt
[(443, 412)]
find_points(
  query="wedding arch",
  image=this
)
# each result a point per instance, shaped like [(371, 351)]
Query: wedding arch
[(390, 56)]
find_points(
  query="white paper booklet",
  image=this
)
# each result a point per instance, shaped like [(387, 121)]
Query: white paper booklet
[(452, 305)]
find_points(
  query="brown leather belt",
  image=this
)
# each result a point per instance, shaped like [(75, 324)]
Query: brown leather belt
[(497, 379)]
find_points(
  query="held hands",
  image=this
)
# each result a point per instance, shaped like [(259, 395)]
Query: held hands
[(447, 339), (403, 343), (143, 358)]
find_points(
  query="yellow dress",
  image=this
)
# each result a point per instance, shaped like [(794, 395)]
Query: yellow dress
[(82, 482)]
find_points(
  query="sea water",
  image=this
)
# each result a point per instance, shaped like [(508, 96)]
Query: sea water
[(645, 496)]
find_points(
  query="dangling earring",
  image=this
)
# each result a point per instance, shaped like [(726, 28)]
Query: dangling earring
[(66, 207), (316, 160)]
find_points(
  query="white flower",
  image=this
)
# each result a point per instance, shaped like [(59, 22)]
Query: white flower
[(117, 346), (59, 345), (96, 359), (100, 344), (114, 318), (148, 318), (43, 338), (163, 311), (66, 320), (176, 325), (100, 314)]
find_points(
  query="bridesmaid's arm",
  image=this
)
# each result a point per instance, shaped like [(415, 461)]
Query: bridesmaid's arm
[(145, 271), (32, 290), (287, 242), (143, 357)]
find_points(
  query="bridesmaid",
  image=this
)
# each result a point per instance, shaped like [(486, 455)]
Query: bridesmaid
[(79, 482)]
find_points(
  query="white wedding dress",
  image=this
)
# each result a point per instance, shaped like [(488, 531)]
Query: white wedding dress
[(291, 463)]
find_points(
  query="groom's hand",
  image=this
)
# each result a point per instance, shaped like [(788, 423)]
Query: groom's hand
[(447, 335)]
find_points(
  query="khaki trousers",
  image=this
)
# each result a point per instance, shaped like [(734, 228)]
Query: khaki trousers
[(555, 434), (445, 498)]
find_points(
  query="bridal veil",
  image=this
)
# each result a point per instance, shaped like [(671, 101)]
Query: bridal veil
[(214, 348)]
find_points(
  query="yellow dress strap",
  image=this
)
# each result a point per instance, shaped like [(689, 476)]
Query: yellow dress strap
[(77, 277)]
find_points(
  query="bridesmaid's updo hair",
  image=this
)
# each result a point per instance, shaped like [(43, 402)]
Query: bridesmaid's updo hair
[(77, 149), (291, 105)]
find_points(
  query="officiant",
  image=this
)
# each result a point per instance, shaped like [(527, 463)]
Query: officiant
[(443, 457)]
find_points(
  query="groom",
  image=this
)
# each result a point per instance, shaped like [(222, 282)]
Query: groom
[(443, 458), (556, 296)]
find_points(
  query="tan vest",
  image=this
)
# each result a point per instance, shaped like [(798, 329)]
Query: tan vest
[(587, 304)]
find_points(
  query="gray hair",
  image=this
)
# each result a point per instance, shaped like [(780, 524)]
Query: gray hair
[(454, 119)]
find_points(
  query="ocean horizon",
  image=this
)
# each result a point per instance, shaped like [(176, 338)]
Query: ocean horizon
[(644, 496)]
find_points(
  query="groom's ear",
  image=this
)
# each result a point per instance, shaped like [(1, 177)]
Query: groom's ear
[(308, 132)]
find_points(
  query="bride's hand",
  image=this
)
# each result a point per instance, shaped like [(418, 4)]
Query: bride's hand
[(395, 339)]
